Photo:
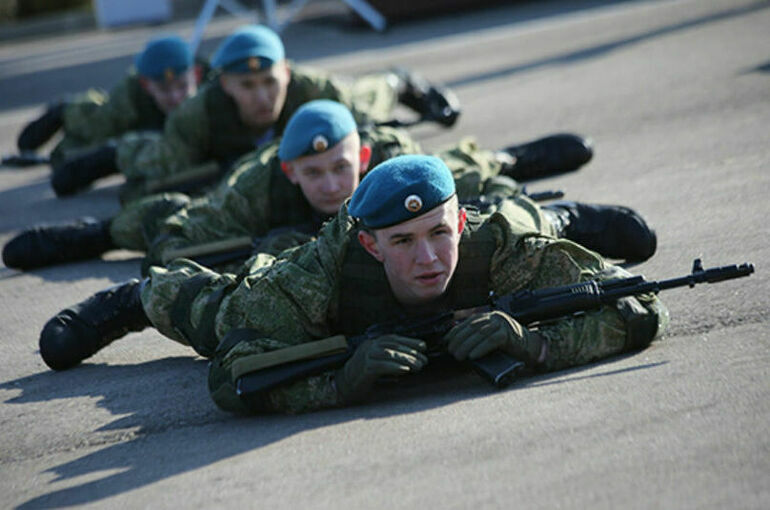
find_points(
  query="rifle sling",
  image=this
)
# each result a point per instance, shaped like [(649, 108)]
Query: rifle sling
[(326, 347)]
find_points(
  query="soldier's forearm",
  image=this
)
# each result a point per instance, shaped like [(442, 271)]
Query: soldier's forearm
[(609, 331)]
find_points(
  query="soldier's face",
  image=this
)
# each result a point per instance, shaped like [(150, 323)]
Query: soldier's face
[(329, 178), (260, 96), (419, 255), (168, 94)]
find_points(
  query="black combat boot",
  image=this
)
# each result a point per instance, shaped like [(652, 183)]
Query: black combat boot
[(78, 332), (436, 104), (545, 157), (40, 130), (79, 172), (46, 245), (611, 230)]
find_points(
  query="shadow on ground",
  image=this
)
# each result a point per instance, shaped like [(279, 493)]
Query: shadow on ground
[(175, 399)]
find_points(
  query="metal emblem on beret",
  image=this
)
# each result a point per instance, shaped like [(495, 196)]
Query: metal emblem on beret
[(320, 143), (413, 203), (168, 74), (254, 64)]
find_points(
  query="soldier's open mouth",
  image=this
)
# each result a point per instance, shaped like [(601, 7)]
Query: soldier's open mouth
[(429, 278)]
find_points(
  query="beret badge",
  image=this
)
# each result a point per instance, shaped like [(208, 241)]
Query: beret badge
[(413, 203), (320, 143), (168, 74), (254, 64)]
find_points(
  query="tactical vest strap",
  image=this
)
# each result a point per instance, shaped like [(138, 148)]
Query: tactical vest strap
[(288, 205)]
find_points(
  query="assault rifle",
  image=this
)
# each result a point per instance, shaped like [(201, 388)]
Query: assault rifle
[(261, 372), (24, 159), (233, 249)]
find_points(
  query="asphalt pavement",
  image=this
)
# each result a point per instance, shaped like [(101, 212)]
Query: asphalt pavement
[(676, 97)]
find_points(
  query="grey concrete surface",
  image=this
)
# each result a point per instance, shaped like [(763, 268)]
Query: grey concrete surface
[(676, 96)]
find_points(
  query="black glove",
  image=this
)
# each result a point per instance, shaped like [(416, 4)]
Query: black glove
[(483, 333), (385, 355), (433, 103), (24, 159)]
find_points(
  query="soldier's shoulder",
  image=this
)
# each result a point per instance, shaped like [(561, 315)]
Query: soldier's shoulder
[(124, 92), (303, 73), (255, 168), (191, 108), (126, 82)]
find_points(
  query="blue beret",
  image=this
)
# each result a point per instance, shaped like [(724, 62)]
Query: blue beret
[(400, 189), (164, 57), (315, 127), (248, 49)]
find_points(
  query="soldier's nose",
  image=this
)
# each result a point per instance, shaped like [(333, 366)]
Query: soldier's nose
[(424, 253)]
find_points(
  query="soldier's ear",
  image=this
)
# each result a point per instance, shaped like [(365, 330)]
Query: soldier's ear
[(365, 155), (288, 171), (462, 218), (369, 243), (224, 83), (287, 69)]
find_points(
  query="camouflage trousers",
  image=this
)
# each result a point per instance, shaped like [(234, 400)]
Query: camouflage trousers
[(375, 95), (182, 300), (476, 171), (138, 222)]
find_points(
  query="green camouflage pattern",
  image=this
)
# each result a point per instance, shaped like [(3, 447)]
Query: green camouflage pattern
[(290, 300), (93, 117), (476, 171), (243, 203), (138, 223), (186, 136)]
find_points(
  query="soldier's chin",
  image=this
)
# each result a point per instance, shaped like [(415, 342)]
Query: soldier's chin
[(328, 207), (263, 120)]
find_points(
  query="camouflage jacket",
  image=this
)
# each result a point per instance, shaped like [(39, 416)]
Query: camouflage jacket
[(295, 299), (191, 133), (92, 117), (256, 197)]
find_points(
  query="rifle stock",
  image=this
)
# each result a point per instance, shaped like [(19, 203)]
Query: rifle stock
[(189, 180), (527, 307), (231, 248)]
